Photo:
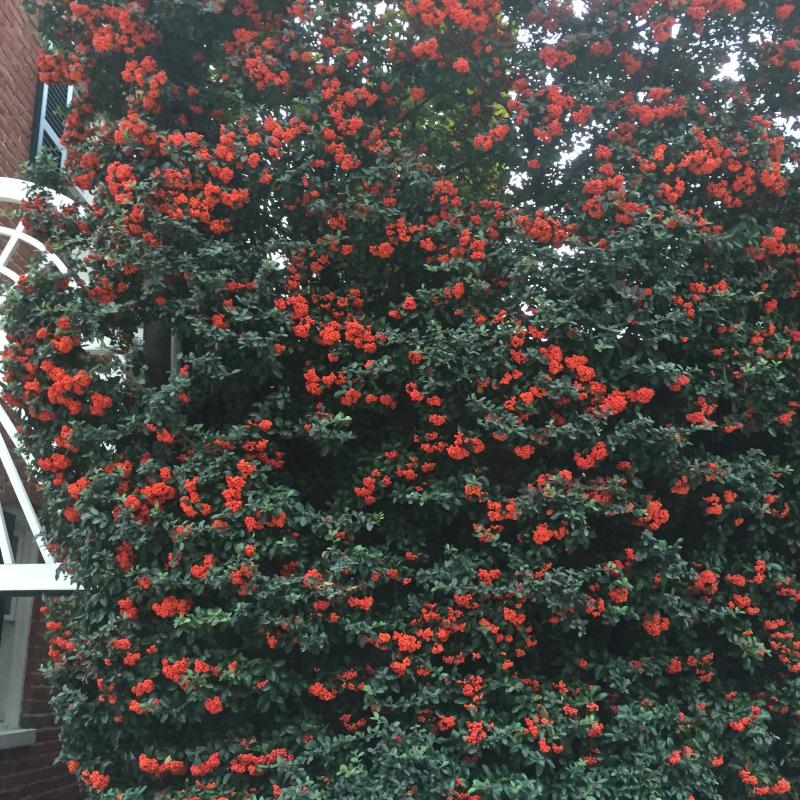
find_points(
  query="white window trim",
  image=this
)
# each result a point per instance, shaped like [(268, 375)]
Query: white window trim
[(14, 651), (21, 737), (45, 127)]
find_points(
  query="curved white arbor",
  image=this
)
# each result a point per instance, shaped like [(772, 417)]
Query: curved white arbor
[(15, 576)]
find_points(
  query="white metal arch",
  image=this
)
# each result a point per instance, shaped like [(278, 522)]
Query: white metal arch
[(24, 578)]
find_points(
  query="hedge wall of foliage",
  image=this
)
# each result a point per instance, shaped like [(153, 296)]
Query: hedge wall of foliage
[(477, 476)]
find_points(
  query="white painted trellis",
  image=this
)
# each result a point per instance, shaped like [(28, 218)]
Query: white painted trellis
[(25, 577)]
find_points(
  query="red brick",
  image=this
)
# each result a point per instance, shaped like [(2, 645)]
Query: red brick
[(28, 773), (18, 75)]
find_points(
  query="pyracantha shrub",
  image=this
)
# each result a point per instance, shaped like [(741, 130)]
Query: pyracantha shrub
[(475, 475)]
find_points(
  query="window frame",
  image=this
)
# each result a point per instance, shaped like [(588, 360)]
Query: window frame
[(41, 125), (14, 645)]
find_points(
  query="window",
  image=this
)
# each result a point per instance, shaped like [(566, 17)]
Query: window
[(15, 623), (52, 102)]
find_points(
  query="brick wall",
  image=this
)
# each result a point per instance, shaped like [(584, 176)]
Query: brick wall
[(18, 49), (26, 773)]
